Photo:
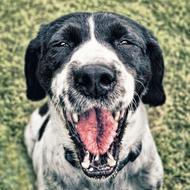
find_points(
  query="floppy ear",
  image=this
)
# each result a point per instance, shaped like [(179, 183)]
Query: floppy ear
[(155, 95), (34, 50)]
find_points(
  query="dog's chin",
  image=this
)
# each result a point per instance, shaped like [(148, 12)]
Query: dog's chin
[(97, 135)]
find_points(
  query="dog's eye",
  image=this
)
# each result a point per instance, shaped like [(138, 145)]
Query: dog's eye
[(64, 44), (125, 42)]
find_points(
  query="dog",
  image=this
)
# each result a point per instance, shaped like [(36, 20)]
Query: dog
[(97, 70)]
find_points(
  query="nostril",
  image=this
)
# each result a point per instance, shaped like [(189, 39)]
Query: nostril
[(106, 80), (84, 80)]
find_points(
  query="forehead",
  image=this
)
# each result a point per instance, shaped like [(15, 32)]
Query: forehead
[(110, 27), (106, 25)]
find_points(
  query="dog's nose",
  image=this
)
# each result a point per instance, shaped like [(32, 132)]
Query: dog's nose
[(94, 80)]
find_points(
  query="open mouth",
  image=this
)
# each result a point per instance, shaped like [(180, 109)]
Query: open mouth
[(97, 134)]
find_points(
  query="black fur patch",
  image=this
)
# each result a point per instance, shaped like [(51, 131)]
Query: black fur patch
[(69, 156), (42, 129), (131, 156), (44, 109)]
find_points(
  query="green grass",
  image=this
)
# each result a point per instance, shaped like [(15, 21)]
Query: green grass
[(170, 124)]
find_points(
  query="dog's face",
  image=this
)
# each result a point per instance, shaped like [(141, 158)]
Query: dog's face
[(95, 68)]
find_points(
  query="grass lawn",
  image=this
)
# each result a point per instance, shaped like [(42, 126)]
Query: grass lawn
[(169, 20)]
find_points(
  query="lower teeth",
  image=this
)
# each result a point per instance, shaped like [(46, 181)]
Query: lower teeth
[(97, 158), (111, 161), (86, 162)]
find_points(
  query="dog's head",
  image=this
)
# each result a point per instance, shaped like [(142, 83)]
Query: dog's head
[(94, 68)]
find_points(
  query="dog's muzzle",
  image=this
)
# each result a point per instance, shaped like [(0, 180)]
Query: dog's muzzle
[(97, 131)]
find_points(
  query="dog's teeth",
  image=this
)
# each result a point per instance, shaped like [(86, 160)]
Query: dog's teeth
[(117, 115), (111, 160), (97, 157), (110, 155), (122, 114), (91, 169), (75, 117), (86, 162)]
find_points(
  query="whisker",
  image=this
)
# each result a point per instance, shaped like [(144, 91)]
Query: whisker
[(138, 96), (138, 81)]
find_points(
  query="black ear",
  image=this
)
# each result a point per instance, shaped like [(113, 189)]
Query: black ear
[(34, 51), (155, 95)]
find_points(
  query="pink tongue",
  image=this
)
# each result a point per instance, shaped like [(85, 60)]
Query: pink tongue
[(97, 129)]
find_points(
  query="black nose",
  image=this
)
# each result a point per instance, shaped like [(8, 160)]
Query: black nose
[(94, 80)]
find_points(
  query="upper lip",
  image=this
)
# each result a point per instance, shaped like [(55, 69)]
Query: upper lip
[(99, 166)]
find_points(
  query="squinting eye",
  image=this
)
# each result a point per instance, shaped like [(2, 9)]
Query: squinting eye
[(124, 42), (64, 44)]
